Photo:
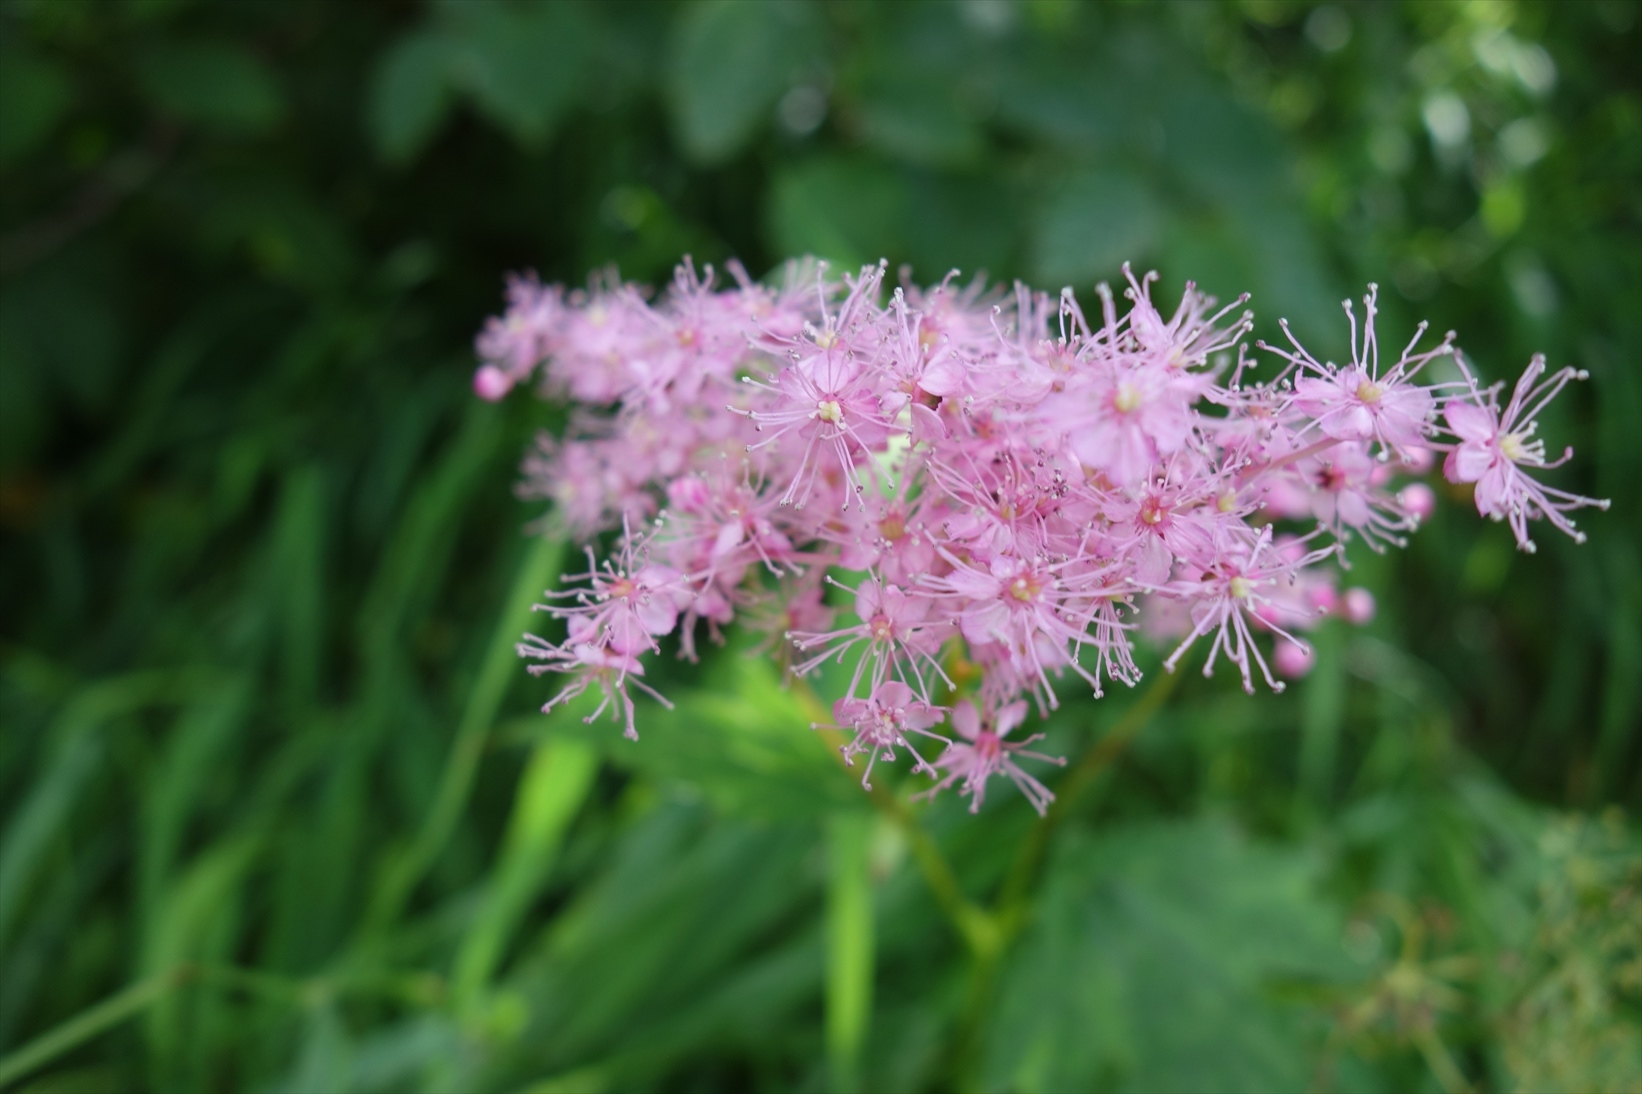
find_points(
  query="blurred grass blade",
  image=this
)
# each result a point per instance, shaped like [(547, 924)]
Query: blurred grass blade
[(30, 830), (849, 945), (1322, 714), (86, 1025), (537, 571), (551, 793)]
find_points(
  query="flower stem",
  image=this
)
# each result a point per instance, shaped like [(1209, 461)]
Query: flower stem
[(972, 923)]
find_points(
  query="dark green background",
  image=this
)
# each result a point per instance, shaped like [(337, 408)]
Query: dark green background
[(260, 548)]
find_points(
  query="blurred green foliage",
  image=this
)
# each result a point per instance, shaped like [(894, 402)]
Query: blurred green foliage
[(277, 812)]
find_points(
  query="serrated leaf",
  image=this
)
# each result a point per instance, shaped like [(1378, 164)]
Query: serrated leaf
[(219, 85), (410, 94), (1155, 962), (731, 61)]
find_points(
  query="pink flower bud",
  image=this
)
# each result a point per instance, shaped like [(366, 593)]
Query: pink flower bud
[(1357, 605), (1294, 660), (1419, 499), (491, 383), (1417, 459)]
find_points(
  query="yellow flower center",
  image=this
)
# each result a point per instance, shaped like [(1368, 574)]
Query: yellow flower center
[(1127, 399), (1241, 587), (1512, 448), (1024, 588), (1369, 392), (828, 410)]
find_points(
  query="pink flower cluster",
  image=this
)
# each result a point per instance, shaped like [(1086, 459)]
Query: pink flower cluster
[(1007, 490)]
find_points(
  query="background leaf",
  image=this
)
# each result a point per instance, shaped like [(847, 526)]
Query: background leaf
[(730, 62)]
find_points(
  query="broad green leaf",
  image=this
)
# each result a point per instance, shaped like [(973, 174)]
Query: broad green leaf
[(919, 121), (34, 93), (522, 64), (1157, 960), (219, 85), (1091, 224), (741, 741), (847, 210), (731, 62), (410, 94)]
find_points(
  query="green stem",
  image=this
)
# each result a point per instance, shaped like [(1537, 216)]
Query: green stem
[(89, 1023), (1023, 872), (1009, 911), (537, 571), (971, 922)]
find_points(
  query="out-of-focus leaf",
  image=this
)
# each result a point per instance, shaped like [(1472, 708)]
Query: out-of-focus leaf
[(551, 792), (220, 85), (410, 94), (1157, 961), (1069, 104), (290, 238), (1093, 223), (851, 211), (740, 740), (34, 93), (685, 900), (153, 11), (731, 61), (522, 64), (917, 119), (62, 328)]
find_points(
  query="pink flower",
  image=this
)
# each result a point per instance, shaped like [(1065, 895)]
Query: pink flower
[(1005, 479), (902, 632), (1496, 446), (982, 753), (881, 723), (1359, 402), (1236, 584)]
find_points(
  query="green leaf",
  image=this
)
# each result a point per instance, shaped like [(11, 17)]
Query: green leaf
[(698, 930), (1158, 960), (552, 790), (919, 121), (849, 944), (34, 93), (731, 62), (1093, 223), (851, 211), (523, 65), (410, 95), (218, 85), (741, 741)]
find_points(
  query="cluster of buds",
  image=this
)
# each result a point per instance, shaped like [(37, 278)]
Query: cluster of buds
[(998, 482)]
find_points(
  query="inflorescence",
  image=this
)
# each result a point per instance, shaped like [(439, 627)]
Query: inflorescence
[(1009, 491)]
